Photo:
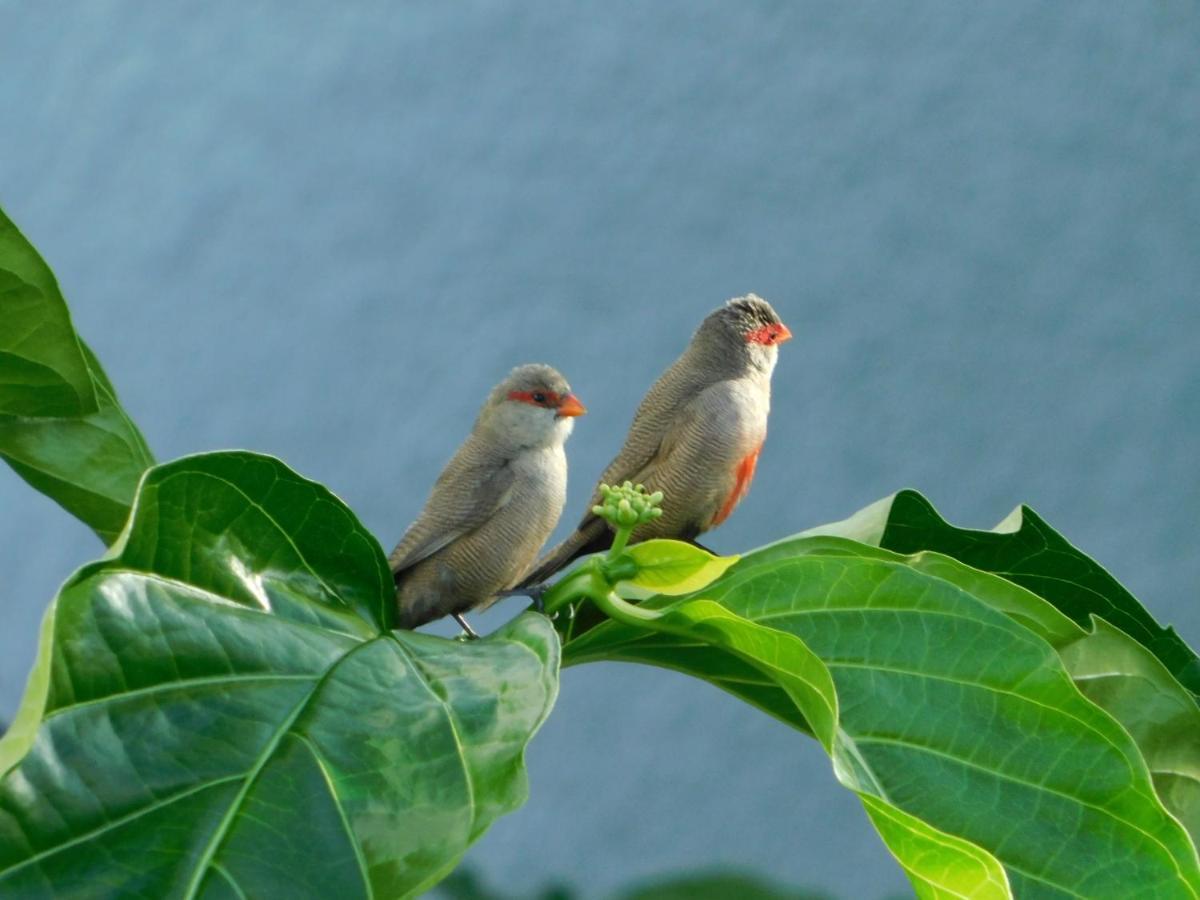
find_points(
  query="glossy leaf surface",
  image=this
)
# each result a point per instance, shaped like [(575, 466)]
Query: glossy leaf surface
[(1128, 678), (222, 711), (674, 568), (959, 726)]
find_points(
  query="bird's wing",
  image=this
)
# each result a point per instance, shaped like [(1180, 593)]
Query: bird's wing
[(685, 434), (684, 429), (464, 497), (658, 413)]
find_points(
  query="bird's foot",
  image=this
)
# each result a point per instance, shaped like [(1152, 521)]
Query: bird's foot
[(471, 633), (535, 592)]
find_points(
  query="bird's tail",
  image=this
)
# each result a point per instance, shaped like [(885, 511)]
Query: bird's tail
[(591, 537)]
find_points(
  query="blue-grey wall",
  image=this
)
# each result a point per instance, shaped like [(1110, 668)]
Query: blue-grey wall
[(326, 232)]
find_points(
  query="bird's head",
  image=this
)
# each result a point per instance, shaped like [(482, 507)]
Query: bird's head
[(747, 328), (532, 407)]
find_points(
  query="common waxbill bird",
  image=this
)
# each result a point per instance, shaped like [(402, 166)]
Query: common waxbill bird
[(697, 434), (494, 504)]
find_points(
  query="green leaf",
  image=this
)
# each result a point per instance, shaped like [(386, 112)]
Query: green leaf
[(1117, 673), (1114, 671), (61, 426), (939, 865), (1028, 552), (42, 368), (90, 464), (784, 657), (223, 711), (673, 568), (950, 713)]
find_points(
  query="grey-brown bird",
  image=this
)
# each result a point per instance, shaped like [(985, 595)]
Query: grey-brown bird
[(697, 434), (494, 504)]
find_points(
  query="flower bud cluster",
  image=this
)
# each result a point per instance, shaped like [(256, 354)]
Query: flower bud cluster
[(628, 505)]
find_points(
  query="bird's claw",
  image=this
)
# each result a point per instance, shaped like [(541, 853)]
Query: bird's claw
[(535, 593)]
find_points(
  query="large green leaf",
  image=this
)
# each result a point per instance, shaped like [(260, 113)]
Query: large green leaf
[(1028, 552), (219, 709), (959, 726), (1114, 671), (1063, 601), (61, 426)]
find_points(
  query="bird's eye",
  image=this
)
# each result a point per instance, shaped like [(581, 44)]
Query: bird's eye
[(539, 397)]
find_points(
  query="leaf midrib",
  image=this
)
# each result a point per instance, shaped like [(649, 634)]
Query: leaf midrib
[(251, 776), (186, 684), (117, 823), (413, 663), (337, 804), (1057, 710)]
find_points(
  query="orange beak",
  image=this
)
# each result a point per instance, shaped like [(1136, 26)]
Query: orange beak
[(784, 334), (570, 406)]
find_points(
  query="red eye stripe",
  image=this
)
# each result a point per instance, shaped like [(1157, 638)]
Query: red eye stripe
[(775, 333), (551, 398)]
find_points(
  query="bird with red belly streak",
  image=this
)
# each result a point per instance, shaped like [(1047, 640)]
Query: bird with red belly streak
[(697, 434)]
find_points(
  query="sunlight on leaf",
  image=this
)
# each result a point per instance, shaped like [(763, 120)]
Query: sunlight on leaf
[(673, 568)]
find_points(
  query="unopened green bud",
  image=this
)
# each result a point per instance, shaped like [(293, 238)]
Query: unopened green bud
[(628, 505)]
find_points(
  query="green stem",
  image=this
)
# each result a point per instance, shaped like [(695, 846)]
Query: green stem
[(622, 610), (620, 539), (589, 582), (594, 580), (602, 593), (575, 586)]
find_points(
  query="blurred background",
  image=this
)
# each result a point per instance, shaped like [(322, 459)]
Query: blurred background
[(325, 233)]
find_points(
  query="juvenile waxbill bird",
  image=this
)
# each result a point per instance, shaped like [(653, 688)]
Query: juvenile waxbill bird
[(494, 504), (697, 434)]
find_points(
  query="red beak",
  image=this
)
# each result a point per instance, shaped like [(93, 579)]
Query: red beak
[(769, 335), (570, 406)]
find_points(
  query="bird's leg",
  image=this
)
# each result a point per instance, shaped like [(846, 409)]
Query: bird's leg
[(472, 634), (699, 546)]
